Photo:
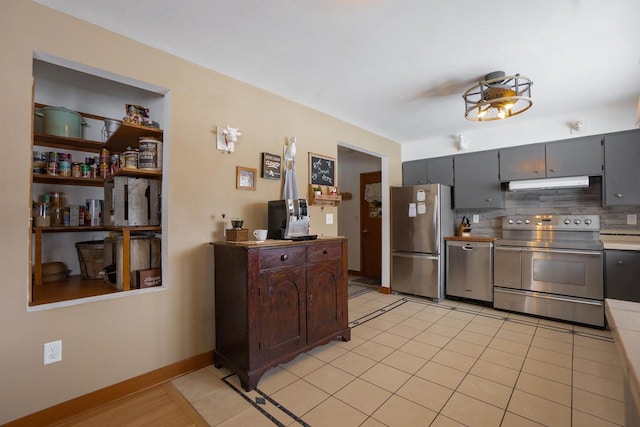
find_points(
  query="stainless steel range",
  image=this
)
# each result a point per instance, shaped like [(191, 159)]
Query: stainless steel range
[(552, 266)]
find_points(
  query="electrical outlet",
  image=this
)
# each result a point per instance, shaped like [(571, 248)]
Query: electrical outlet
[(329, 219), (476, 219), (52, 352), (632, 219)]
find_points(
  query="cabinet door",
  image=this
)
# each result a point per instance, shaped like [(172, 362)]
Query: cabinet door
[(414, 172), (621, 169), (282, 314), (622, 269), (440, 171), (526, 162), (477, 184), (580, 156), (326, 298)]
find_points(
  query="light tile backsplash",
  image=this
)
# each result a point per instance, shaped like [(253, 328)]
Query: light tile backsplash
[(562, 201)]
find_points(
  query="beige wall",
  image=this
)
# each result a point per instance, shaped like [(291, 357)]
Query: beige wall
[(108, 341)]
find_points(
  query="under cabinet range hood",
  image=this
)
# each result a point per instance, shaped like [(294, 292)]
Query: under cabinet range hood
[(549, 183)]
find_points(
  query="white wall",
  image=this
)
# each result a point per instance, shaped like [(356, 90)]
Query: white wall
[(351, 164), (520, 130)]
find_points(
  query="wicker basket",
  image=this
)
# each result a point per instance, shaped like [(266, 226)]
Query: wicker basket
[(91, 257)]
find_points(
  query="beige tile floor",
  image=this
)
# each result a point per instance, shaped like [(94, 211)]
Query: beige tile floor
[(413, 362)]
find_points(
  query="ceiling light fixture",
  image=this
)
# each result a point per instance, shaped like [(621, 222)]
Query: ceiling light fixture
[(498, 97)]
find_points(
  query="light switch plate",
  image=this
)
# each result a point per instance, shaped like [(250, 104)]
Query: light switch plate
[(476, 219), (632, 219), (329, 218)]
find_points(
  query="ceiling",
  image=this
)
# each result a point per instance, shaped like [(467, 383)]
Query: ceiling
[(397, 68)]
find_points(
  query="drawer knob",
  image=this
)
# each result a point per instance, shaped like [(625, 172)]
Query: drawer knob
[(284, 257), (489, 199), (620, 263), (619, 195), (326, 251)]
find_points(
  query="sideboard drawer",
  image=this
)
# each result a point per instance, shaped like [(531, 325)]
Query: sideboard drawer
[(282, 257), (324, 252)]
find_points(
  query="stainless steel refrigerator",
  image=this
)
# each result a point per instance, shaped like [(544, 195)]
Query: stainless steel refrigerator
[(421, 217)]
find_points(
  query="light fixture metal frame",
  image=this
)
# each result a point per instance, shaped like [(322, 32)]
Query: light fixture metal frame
[(480, 105)]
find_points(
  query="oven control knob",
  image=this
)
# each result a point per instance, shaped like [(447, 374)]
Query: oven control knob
[(510, 221), (527, 221), (567, 221), (587, 221), (518, 221), (577, 222)]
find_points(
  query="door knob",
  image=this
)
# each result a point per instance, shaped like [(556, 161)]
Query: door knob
[(365, 231)]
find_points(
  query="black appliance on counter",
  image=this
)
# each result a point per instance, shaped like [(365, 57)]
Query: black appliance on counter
[(289, 220)]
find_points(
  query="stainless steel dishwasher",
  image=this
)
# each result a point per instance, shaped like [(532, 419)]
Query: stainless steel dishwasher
[(470, 270)]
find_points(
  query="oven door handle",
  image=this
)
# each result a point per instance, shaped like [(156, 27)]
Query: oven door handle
[(562, 251), (552, 297), (508, 248)]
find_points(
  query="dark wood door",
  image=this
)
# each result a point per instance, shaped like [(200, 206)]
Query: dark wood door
[(325, 295), (371, 228), (282, 318)]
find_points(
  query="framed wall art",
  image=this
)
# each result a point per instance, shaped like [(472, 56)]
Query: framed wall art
[(322, 170), (271, 166), (245, 178)]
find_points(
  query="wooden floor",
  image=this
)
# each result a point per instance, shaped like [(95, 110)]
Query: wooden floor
[(161, 405)]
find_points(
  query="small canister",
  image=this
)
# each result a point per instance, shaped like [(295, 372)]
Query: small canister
[(40, 161), (115, 163), (131, 159), (53, 164), (64, 168), (104, 170), (86, 170), (41, 215), (76, 169), (148, 158)]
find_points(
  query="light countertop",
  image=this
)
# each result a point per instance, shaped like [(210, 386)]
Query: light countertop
[(624, 320), (625, 240)]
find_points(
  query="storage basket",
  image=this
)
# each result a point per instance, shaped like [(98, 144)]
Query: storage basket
[(91, 257)]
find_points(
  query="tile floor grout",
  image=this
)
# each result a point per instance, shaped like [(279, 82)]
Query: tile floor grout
[(387, 304)]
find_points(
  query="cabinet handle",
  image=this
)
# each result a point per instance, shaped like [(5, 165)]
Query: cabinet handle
[(489, 200), (270, 290), (552, 170), (536, 171), (620, 263), (310, 300), (326, 251), (284, 257), (619, 195)]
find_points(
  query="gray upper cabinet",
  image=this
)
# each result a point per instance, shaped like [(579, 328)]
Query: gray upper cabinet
[(526, 162), (440, 171), (414, 172), (437, 170), (622, 169), (579, 156), (477, 181)]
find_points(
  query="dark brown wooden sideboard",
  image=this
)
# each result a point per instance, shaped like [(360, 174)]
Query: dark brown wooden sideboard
[(277, 299)]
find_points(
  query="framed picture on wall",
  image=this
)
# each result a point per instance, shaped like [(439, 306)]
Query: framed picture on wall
[(245, 178), (271, 166), (322, 170)]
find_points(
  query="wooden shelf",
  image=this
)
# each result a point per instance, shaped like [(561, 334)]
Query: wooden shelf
[(129, 134), (79, 229), (326, 198), (138, 173), (65, 143), (67, 180), (126, 135), (73, 287)]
